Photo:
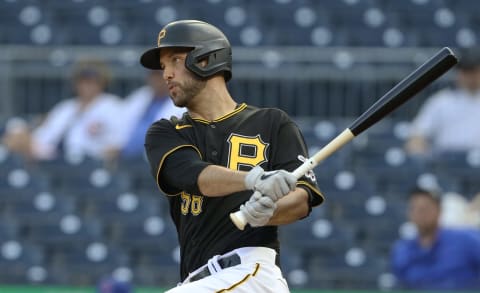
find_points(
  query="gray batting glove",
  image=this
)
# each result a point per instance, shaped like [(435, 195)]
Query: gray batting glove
[(258, 209), (274, 184)]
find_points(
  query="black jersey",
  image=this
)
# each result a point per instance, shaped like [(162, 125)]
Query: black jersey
[(240, 140)]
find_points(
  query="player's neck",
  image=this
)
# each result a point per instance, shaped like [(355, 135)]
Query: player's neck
[(212, 103)]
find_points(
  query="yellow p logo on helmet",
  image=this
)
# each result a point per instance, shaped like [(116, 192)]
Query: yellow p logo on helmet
[(161, 35)]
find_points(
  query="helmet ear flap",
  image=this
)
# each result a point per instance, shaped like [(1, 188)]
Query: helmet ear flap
[(218, 60)]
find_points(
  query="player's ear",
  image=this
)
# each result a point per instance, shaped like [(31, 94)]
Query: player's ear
[(203, 62)]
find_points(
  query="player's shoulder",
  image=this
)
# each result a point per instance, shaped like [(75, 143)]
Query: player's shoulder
[(268, 112), (168, 124), (158, 127)]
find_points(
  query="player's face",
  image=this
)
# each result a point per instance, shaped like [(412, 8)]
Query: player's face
[(183, 86), (424, 213)]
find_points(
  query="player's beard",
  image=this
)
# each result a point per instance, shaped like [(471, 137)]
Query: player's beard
[(185, 92)]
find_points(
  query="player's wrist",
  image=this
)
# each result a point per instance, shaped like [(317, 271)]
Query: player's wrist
[(252, 177)]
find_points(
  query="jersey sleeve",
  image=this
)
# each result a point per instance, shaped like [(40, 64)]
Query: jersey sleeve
[(290, 153), (162, 140)]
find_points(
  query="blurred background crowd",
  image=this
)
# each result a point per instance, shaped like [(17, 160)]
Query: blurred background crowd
[(77, 202)]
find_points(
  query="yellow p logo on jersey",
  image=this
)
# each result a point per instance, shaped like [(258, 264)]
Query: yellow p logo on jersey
[(246, 151)]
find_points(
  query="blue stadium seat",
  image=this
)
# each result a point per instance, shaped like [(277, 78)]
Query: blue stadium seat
[(155, 276), (139, 174), (87, 263), (392, 170), (25, 195), (42, 207), (8, 229), (462, 5), (91, 254), (161, 258), (411, 7), (124, 208), (436, 37), (9, 161), (152, 233), (465, 166), (67, 168), (22, 180), (346, 186), (15, 259), (99, 183), (70, 230), (311, 235), (376, 222), (354, 268)]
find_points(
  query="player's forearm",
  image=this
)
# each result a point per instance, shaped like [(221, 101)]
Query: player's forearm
[(218, 181), (291, 208)]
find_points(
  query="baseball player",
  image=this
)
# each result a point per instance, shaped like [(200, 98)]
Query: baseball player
[(211, 160)]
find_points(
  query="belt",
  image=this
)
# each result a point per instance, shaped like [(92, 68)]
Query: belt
[(224, 262)]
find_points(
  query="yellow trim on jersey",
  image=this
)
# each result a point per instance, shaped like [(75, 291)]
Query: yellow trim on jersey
[(312, 188), (257, 268), (226, 116), (165, 156)]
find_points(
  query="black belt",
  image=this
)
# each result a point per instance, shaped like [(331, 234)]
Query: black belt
[(224, 262)]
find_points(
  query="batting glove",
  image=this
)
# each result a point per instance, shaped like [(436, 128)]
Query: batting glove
[(274, 184), (258, 210)]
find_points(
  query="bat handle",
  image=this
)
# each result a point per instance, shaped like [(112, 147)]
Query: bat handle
[(238, 218)]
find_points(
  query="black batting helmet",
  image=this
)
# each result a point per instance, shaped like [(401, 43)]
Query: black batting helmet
[(206, 41)]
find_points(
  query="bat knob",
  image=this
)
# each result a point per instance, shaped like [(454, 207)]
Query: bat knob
[(238, 219)]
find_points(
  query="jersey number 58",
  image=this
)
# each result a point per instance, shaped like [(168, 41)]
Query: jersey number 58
[(191, 203)]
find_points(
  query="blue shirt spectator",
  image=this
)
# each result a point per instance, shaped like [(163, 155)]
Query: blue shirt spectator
[(437, 258), (141, 108), (451, 262)]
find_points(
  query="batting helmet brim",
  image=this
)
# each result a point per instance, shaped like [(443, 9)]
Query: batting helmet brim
[(151, 59)]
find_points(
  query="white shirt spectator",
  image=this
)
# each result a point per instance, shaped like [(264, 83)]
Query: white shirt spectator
[(450, 120), (88, 132)]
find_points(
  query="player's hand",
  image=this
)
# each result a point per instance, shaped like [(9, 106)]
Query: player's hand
[(274, 184), (258, 209)]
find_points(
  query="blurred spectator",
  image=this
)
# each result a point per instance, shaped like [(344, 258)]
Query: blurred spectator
[(449, 120), (437, 258), (112, 285), (86, 125), (142, 107), (454, 214), (473, 211)]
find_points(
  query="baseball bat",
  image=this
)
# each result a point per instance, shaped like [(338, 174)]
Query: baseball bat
[(428, 72)]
